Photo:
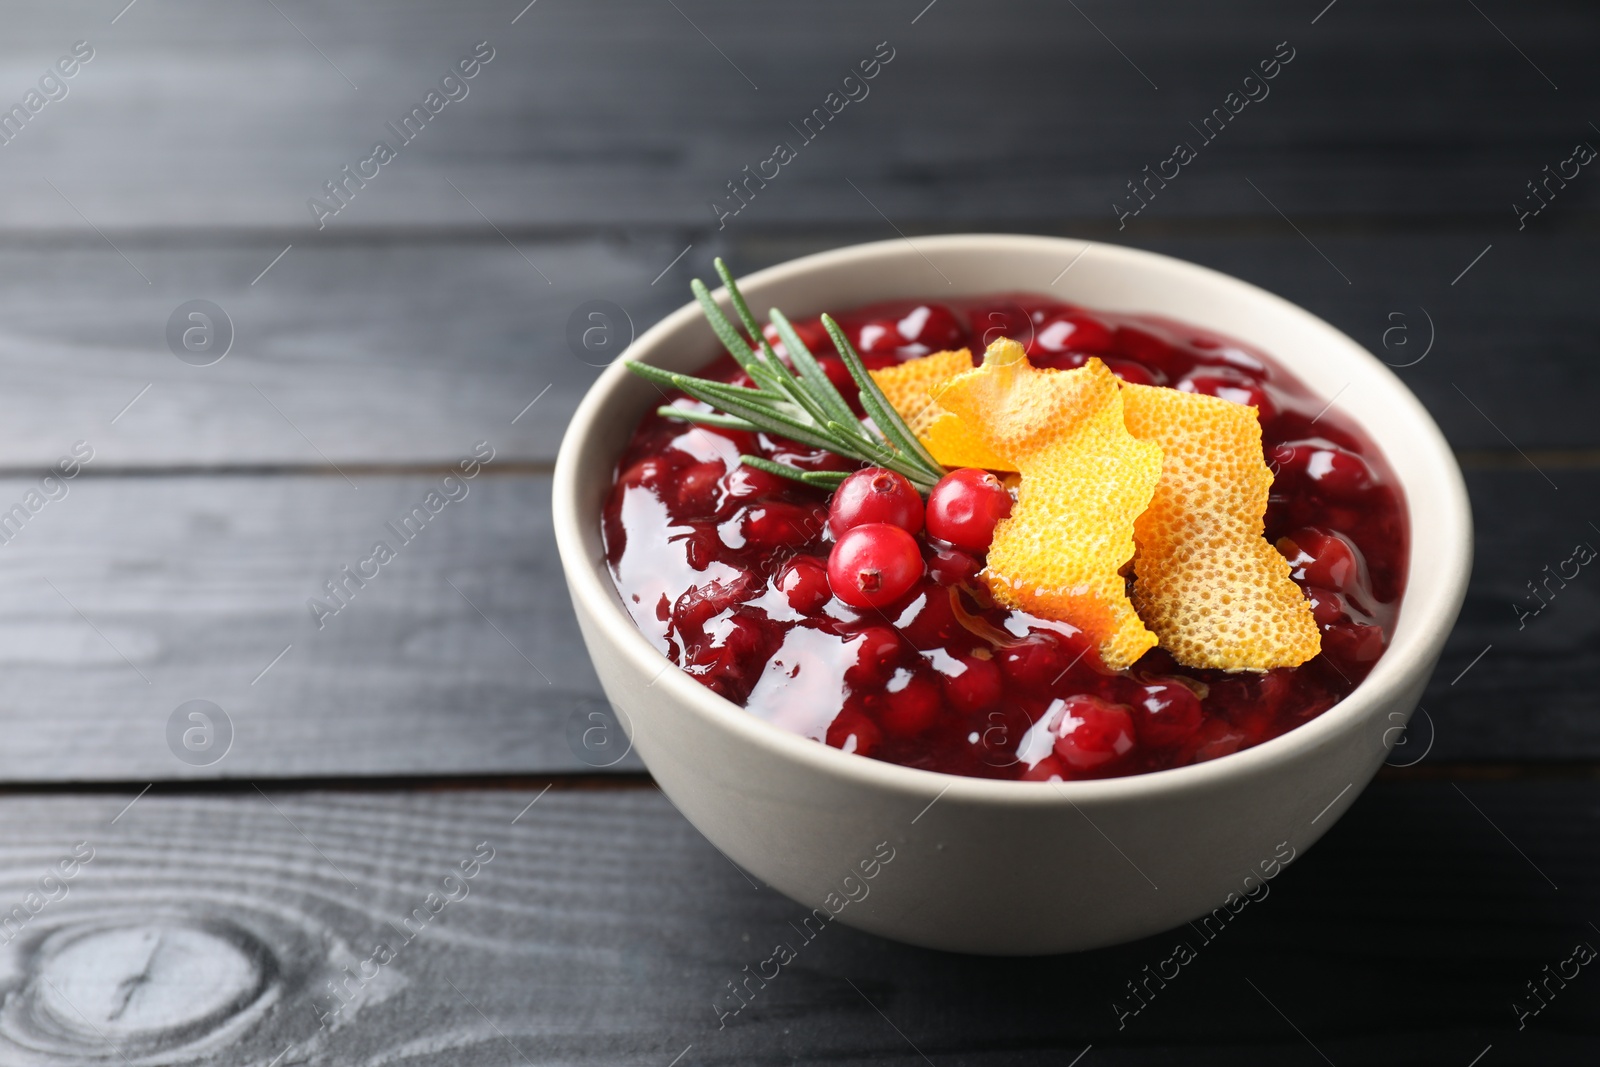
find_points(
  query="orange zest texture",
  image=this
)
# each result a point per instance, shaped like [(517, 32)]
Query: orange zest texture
[(1085, 479), (908, 388), (1206, 580)]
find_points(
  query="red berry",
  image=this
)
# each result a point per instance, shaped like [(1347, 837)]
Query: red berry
[(839, 375), (878, 650), (928, 621), (1048, 769), (965, 506), (874, 494), (1144, 347), (874, 565), (933, 327), (1073, 331), (854, 732), (780, 525), (1327, 607), (1135, 373), (1041, 660), (812, 334), (748, 483), (878, 337), (804, 581), (951, 566), (1218, 738), (699, 489), (977, 687), (649, 471), (1091, 732), (911, 703), (1333, 472), (1322, 558), (1166, 713), (989, 324), (1229, 389), (1354, 642)]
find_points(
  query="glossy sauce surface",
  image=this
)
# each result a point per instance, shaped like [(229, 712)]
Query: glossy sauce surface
[(723, 568)]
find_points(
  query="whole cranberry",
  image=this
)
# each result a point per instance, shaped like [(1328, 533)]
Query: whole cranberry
[(1135, 373), (854, 732), (1354, 642), (748, 483), (989, 324), (1334, 472), (878, 337), (811, 332), (1166, 713), (804, 581), (1049, 769), (1041, 660), (874, 565), (965, 507), (699, 489), (776, 524), (1091, 732), (997, 735), (878, 650), (1073, 331), (874, 494), (1327, 607), (649, 471), (951, 566), (1237, 391), (1322, 558), (927, 620), (911, 703), (977, 687), (839, 375), (1147, 348), (933, 327)]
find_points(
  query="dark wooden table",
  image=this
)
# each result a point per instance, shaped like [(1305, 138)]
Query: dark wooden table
[(291, 887)]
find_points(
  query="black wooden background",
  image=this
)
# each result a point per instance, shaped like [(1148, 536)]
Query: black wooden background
[(218, 897)]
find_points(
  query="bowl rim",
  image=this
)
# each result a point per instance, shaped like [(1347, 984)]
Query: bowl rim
[(1393, 673)]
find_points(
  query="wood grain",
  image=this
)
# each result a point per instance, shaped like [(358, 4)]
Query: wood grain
[(603, 927), (363, 352), (1529, 696), (636, 119), (129, 597)]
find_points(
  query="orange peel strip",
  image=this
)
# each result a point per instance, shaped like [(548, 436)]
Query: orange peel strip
[(1085, 479), (1205, 579), (907, 387)]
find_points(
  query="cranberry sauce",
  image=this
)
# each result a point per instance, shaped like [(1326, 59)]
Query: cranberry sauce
[(725, 569)]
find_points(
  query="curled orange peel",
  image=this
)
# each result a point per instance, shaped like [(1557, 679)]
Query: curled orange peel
[(1206, 580), (907, 386), (1085, 479)]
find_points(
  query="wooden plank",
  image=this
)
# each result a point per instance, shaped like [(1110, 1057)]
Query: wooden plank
[(598, 928), (406, 352), (1517, 678), (356, 353), (190, 118), (128, 598)]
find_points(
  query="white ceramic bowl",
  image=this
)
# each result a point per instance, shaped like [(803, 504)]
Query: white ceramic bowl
[(1013, 868)]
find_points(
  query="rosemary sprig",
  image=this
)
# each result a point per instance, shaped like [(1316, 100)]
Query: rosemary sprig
[(801, 404)]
